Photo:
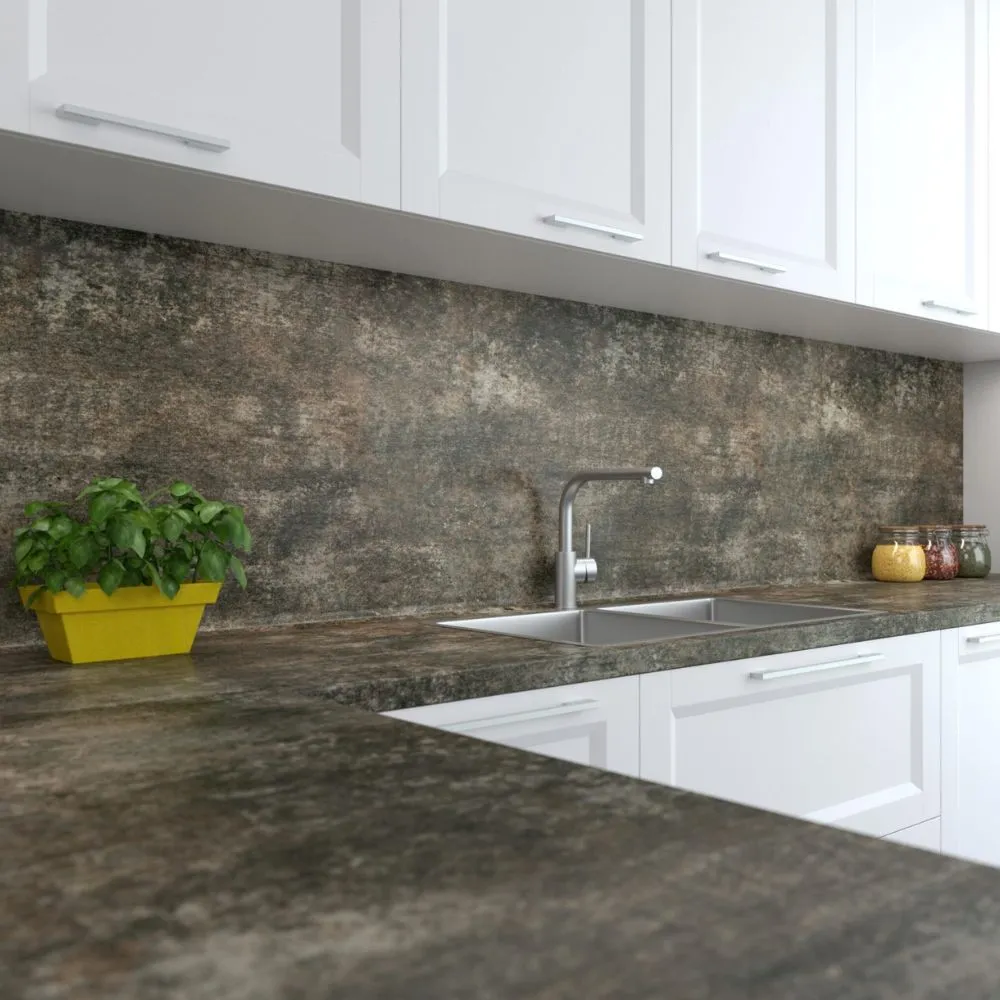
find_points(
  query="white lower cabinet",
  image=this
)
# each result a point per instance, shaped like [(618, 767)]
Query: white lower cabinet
[(926, 836), (596, 723), (845, 735), (970, 746)]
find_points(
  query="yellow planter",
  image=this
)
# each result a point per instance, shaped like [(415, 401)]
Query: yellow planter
[(132, 622)]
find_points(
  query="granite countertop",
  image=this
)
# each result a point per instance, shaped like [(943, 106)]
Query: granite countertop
[(208, 826)]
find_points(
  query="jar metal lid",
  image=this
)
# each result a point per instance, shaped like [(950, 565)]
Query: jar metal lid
[(898, 527), (968, 527)]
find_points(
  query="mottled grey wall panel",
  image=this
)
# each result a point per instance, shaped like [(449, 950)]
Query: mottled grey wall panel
[(400, 443)]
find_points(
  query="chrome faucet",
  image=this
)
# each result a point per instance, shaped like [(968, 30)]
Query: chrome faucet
[(569, 570)]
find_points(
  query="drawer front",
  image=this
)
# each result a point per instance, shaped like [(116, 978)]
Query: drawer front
[(976, 641), (596, 724), (924, 835), (845, 735)]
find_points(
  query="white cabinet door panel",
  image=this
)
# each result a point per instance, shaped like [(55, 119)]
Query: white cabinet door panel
[(305, 94), (926, 836), (517, 111), (922, 157), (14, 65), (596, 723), (970, 809), (763, 141), (852, 740)]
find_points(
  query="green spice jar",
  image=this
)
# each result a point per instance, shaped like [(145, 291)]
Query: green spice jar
[(973, 544)]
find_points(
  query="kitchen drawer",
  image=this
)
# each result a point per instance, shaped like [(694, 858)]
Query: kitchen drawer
[(596, 723), (847, 735), (977, 640)]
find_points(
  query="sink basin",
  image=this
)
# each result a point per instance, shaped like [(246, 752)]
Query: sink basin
[(591, 627), (736, 611)]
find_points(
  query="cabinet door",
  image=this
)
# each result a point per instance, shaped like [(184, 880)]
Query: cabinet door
[(922, 155), (519, 112), (595, 723), (763, 142), (15, 70), (970, 807), (926, 836), (846, 735), (299, 94)]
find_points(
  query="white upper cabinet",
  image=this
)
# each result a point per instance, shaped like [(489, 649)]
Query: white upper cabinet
[(845, 735), (299, 94), (763, 141), (523, 111), (922, 157)]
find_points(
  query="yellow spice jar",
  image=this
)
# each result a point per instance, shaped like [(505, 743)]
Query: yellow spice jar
[(898, 556)]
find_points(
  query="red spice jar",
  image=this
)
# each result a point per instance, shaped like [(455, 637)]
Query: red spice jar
[(939, 552)]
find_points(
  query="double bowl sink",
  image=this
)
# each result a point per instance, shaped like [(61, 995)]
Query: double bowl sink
[(631, 623)]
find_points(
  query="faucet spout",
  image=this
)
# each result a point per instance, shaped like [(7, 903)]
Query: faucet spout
[(566, 561)]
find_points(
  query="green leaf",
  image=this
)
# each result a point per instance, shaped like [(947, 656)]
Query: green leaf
[(103, 505), (245, 541), (61, 527), (111, 576), (126, 534), (212, 562), (36, 507), (172, 528), (110, 483), (82, 551), (238, 571), (76, 586), (54, 581), (154, 575), (37, 561), (179, 489), (169, 587), (24, 546), (42, 524), (177, 567), (208, 510), (35, 595)]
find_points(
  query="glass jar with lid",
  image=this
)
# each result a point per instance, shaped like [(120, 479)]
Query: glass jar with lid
[(939, 552), (899, 555), (973, 544)]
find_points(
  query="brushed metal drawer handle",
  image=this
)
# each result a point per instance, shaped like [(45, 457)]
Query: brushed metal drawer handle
[(564, 222), (955, 307), (815, 668), (982, 640), (88, 116), (552, 711), (732, 258)]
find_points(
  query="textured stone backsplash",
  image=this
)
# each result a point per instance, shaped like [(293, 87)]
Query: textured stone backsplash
[(400, 443)]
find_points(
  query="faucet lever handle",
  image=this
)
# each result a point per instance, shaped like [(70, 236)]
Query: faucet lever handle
[(586, 568)]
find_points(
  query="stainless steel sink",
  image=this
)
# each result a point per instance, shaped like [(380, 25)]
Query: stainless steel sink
[(590, 628), (736, 611)]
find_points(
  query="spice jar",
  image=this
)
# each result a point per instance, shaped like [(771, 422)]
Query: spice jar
[(973, 544), (899, 555), (939, 552)]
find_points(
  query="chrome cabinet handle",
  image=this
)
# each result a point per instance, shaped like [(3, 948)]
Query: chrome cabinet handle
[(88, 116), (982, 640), (814, 668), (566, 708), (564, 222), (731, 258), (955, 307)]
